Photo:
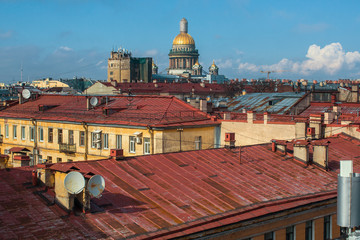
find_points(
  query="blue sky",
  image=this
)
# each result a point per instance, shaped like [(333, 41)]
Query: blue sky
[(61, 39)]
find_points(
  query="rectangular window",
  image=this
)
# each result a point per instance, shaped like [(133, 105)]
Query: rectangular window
[(290, 233), (60, 136), (49, 159), (269, 236), (198, 143), (111, 73), (58, 160), (132, 144), (327, 227), (71, 137), (23, 137), (69, 160), (50, 135), (41, 134), (309, 230), (32, 133), (118, 141), (82, 138), (15, 132), (93, 140), (146, 145), (6, 130), (106, 140)]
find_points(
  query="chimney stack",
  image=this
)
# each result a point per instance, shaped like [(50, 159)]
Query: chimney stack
[(301, 151), (321, 153)]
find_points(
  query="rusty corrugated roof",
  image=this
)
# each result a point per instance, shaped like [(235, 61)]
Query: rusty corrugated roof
[(118, 110), (167, 195)]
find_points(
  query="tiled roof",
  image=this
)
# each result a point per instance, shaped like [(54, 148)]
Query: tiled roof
[(168, 195), (124, 110), (172, 88)]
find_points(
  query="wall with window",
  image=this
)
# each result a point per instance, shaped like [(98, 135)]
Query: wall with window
[(287, 225), (47, 137), (187, 139)]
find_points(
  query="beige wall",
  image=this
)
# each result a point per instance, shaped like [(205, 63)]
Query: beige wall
[(162, 140), (99, 88), (256, 133)]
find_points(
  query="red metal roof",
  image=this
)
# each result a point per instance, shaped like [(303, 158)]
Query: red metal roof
[(167, 195), (318, 108), (171, 88), (134, 110), (18, 149)]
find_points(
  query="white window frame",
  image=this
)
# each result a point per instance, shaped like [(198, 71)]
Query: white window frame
[(23, 133), (132, 143), (146, 145), (106, 141), (14, 131), (41, 134), (198, 143), (32, 133), (81, 138), (71, 139), (118, 141), (93, 139), (6, 130)]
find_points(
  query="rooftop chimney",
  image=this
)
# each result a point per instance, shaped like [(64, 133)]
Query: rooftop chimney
[(301, 151), (321, 153), (250, 116)]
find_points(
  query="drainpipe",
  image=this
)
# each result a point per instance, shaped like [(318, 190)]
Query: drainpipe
[(151, 131), (85, 126), (180, 131), (35, 150)]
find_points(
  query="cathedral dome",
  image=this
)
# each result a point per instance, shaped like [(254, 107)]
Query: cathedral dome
[(183, 39)]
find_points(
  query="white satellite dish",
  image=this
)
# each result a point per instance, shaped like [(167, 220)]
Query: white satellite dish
[(94, 101), (74, 182), (26, 93), (96, 185)]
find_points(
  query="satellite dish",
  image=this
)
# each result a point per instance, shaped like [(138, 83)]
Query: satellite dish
[(94, 101), (74, 182), (96, 185), (26, 93)]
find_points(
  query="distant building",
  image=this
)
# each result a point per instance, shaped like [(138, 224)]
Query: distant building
[(48, 83), (122, 67), (183, 54)]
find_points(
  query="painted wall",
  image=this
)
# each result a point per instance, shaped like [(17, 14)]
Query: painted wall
[(163, 140)]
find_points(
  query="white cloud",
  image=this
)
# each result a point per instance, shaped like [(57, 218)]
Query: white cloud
[(329, 59), (311, 28), (227, 63), (152, 52), (64, 48), (6, 35)]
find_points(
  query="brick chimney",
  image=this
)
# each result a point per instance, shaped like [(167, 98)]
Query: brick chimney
[(321, 153), (250, 116), (227, 116), (301, 150), (316, 122)]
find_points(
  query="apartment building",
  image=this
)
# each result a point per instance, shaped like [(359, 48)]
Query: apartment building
[(57, 128)]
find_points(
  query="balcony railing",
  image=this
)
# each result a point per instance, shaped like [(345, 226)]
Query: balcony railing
[(67, 148)]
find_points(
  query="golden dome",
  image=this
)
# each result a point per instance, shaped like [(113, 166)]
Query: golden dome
[(183, 39), (213, 64)]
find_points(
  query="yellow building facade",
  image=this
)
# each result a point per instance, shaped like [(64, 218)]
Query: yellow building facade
[(48, 83), (49, 140)]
